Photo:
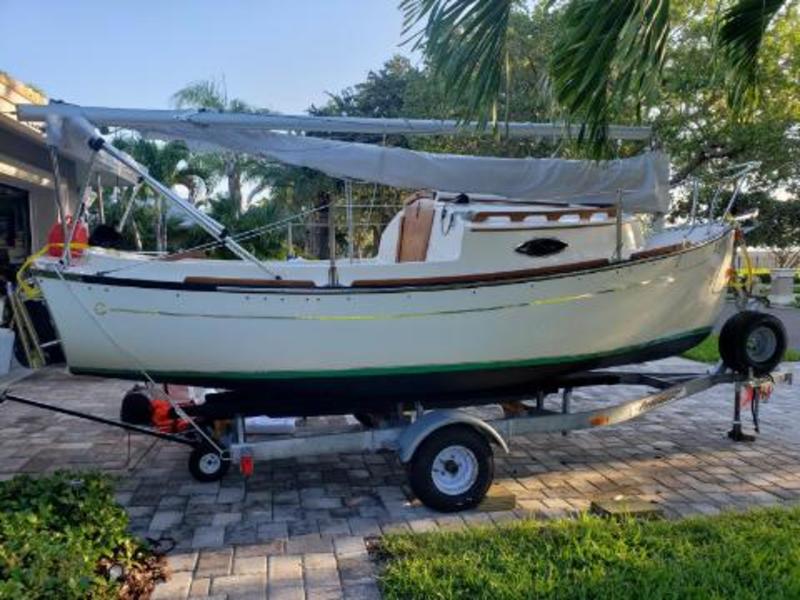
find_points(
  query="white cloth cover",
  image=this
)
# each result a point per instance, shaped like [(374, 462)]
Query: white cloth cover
[(71, 135), (643, 180)]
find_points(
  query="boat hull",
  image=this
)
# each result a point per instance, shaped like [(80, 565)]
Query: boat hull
[(335, 350), (378, 393)]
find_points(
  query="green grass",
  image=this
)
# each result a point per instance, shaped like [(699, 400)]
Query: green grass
[(707, 352), (750, 555), (61, 535)]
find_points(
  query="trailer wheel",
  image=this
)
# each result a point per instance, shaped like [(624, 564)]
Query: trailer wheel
[(206, 464), (752, 340), (452, 469)]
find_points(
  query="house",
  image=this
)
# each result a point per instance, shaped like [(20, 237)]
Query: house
[(28, 203), (27, 199)]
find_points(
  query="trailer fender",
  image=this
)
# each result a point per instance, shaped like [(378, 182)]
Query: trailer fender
[(415, 434)]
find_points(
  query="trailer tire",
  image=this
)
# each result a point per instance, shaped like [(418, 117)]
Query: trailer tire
[(752, 340), (207, 465), (452, 468)]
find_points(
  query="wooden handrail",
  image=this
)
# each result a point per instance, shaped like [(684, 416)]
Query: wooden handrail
[(552, 215)]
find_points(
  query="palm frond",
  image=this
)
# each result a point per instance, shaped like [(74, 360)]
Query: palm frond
[(465, 44), (608, 52), (741, 33), (202, 94)]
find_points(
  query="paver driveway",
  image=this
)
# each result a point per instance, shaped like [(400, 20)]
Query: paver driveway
[(296, 529)]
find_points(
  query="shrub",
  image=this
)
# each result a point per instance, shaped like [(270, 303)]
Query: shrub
[(61, 535)]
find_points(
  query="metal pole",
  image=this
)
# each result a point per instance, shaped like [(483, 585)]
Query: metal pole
[(101, 116), (209, 224), (348, 190), (289, 243), (215, 229), (736, 430), (60, 208), (100, 207), (333, 274), (129, 207), (85, 188), (81, 415), (735, 194), (618, 249)]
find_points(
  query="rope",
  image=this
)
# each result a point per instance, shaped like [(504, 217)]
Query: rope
[(139, 365), (27, 289), (247, 235), (31, 292)]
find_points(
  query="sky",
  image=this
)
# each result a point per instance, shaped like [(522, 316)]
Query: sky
[(280, 55)]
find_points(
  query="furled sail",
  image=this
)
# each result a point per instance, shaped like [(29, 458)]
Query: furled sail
[(642, 180)]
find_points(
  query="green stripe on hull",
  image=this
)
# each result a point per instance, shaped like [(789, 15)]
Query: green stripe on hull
[(378, 371)]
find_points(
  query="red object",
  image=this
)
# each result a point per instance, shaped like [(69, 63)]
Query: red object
[(55, 239), (246, 465), (161, 416), (746, 396)]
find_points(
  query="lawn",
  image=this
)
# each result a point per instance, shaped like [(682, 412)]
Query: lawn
[(64, 536), (707, 352), (746, 555)]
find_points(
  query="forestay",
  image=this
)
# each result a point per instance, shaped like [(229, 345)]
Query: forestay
[(643, 180)]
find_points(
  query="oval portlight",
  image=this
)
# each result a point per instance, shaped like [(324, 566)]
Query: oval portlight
[(541, 247)]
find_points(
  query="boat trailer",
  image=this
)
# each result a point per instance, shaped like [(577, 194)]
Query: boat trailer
[(448, 452)]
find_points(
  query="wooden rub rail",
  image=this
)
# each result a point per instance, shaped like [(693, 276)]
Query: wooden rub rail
[(662, 250), (484, 277), (245, 282)]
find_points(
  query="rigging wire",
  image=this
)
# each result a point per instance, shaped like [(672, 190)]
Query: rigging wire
[(137, 362), (240, 237)]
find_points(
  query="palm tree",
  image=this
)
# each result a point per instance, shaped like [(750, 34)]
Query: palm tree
[(171, 163), (234, 167), (608, 52)]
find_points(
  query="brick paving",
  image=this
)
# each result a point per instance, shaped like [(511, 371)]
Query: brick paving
[(297, 528)]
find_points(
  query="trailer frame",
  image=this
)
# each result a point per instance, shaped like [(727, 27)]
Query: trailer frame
[(412, 433)]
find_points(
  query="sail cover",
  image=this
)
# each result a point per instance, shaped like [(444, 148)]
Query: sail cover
[(642, 180)]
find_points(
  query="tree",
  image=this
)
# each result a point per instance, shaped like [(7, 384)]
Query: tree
[(778, 226), (779, 230), (172, 164), (702, 131), (609, 54), (234, 167)]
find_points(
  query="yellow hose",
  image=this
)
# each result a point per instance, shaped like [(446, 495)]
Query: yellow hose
[(749, 276), (30, 292), (748, 272)]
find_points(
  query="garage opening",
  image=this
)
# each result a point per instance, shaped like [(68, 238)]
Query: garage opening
[(15, 229)]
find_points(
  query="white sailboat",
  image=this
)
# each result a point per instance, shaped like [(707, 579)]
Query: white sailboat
[(522, 270)]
